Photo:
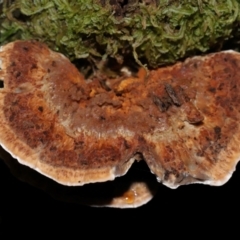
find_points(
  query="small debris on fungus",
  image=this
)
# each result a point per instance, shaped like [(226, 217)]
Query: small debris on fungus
[(78, 132)]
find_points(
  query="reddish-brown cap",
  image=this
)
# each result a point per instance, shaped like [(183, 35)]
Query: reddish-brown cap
[(182, 119)]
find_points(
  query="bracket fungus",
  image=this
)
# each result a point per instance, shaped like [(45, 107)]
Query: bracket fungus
[(182, 120)]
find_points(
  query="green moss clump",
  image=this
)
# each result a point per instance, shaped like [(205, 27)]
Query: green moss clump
[(153, 32)]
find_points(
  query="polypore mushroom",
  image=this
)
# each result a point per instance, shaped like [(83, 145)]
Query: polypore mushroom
[(182, 119)]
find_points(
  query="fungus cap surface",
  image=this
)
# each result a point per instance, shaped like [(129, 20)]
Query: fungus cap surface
[(182, 119)]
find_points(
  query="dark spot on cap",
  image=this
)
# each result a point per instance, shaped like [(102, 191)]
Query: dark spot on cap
[(40, 108), (1, 83)]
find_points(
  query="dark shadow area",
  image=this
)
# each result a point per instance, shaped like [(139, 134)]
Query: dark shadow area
[(99, 194), (196, 206)]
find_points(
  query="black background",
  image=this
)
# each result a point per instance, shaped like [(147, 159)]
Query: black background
[(23, 206)]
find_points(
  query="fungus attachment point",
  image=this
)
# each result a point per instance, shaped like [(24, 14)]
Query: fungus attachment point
[(183, 121)]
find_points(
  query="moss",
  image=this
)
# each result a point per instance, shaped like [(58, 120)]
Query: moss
[(154, 32)]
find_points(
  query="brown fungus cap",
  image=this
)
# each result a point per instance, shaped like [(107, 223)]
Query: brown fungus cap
[(183, 119)]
